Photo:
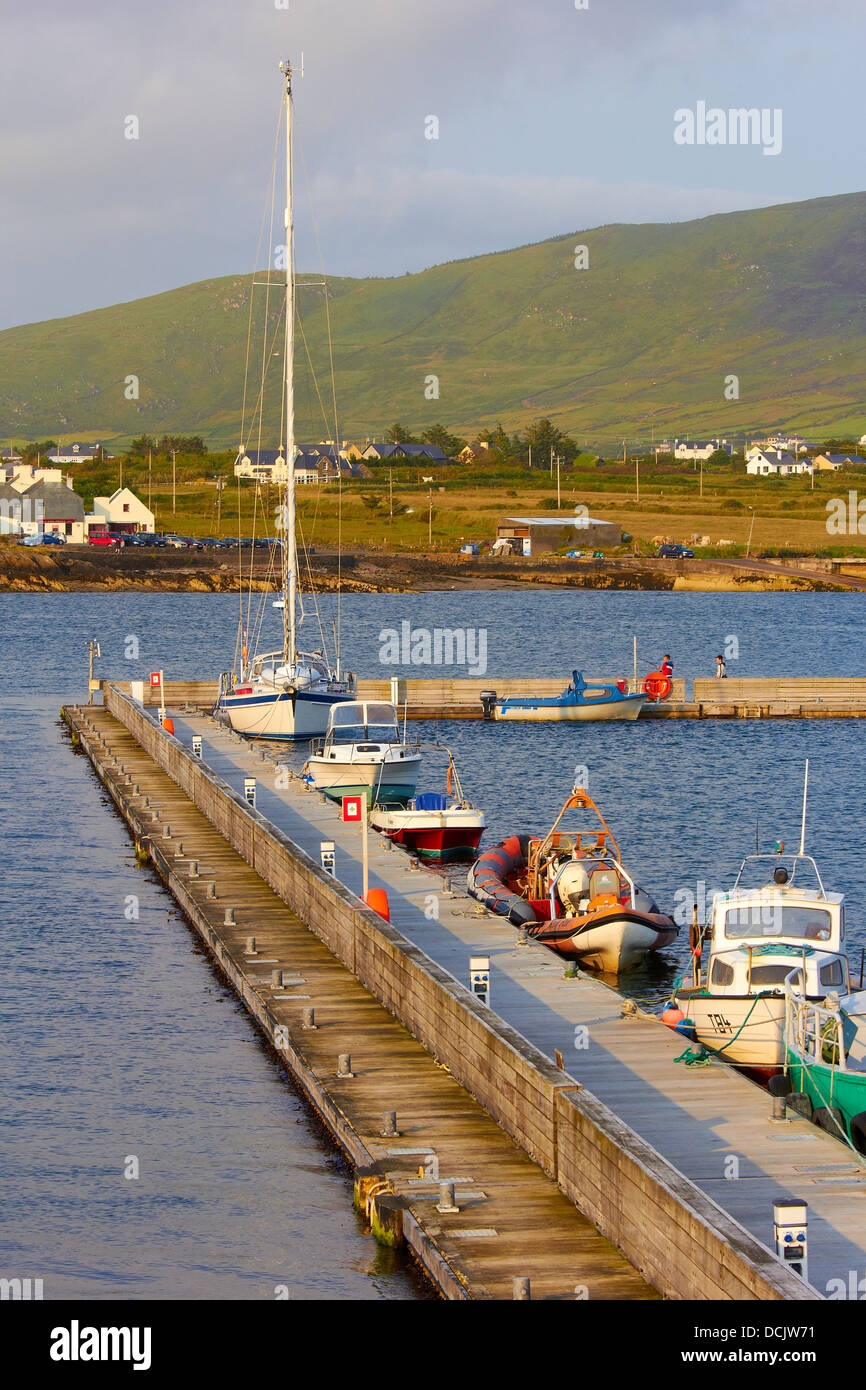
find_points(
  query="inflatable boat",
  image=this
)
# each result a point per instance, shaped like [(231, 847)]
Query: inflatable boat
[(571, 892)]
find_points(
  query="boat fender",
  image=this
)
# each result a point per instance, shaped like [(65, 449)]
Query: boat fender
[(828, 1118), (858, 1132), (671, 1016), (168, 725), (779, 1085), (800, 1103)]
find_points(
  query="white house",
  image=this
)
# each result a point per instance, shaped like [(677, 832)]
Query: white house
[(764, 462), (269, 465), (700, 448), (77, 453), (122, 511)]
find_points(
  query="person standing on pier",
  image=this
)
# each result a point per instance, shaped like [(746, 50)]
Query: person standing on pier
[(666, 666), (721, 670)]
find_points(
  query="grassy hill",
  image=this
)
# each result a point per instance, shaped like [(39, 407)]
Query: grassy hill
[(642, 339)]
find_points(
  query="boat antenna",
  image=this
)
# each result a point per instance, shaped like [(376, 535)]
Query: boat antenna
[(803, 822)]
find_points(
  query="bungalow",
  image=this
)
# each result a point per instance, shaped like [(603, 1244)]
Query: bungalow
[(822, 463), (764, 462), (432, 452), (700, 448), (77, 453), (122, 512), (53, 507)]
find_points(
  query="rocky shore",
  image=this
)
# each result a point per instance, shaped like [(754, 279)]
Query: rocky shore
[(81, 569)]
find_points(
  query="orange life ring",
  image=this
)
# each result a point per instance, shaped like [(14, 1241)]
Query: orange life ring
[(657, 685)]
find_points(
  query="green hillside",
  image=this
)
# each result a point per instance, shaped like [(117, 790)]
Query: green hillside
[(642, 339)]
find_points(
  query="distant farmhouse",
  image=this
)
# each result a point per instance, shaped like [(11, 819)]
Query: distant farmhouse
[(826, 462), (763, 463), (535, 535), (314, 463), (405, 451), (700, 448), (475, 453), (77, 453)]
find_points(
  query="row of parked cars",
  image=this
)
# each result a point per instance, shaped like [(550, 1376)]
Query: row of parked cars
[(151, 539)]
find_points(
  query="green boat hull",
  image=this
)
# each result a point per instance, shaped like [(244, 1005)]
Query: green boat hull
[(829, 1088)]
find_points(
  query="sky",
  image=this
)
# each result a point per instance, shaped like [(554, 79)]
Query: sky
[(551, 119)]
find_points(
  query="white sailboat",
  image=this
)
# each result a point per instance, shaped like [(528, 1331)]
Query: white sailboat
[(289, 694)]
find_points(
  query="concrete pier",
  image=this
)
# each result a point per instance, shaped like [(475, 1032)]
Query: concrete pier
[(640, 1146), (818, 697)]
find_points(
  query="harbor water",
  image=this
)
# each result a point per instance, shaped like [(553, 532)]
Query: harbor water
[(125, 1053)]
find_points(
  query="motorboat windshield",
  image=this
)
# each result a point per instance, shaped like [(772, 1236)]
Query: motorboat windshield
[(359, 721)]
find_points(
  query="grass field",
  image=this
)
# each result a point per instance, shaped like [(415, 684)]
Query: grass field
[(788, 514)]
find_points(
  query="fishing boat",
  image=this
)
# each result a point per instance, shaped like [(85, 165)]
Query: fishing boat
[(579, 700), (437, 826), (571, 891), (825, 1059), (363, 754), (778, 916), (287, 694)]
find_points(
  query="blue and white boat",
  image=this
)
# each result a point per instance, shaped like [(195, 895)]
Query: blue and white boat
[(578, 701), (289, 694)]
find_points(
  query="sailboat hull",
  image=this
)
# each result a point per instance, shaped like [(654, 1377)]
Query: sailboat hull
[(279, 716)]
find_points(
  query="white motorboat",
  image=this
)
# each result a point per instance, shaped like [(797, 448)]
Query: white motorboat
[(757, 936), (363, 754), (285, 695)]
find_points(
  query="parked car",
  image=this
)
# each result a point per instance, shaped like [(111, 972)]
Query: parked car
[(575, 554), (43, 538), (192, 543), (674, 552), (101, 538), (121, 538), (177, 542)]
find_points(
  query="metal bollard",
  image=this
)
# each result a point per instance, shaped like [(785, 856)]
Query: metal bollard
[(229, 919), (446, 1198), (193, 868), (389, 1128), (250, 948), (780, 1089), (211, 890), (276, 979), (308, 1018), (179, 852), (167, 832), (522, 1290), (344, 1065)]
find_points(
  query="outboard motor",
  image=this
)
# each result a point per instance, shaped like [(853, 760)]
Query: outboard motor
[(488, 700)]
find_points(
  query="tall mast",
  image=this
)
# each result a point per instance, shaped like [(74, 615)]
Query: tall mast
[(290, 567)]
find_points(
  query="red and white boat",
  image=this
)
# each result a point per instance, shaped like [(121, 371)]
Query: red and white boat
[(438, 826)]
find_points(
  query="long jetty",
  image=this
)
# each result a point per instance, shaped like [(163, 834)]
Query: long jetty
[(758, 697), (548, 1135)]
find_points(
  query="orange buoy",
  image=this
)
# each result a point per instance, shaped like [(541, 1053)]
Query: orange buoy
[(672, 1016), (657, 685), (377, 898), (168, 725)]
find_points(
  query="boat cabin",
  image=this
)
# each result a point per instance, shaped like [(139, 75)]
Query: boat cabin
[(759, 935), (366, 723)]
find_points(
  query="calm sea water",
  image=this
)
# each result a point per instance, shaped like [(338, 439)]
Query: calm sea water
[(120, 1040)]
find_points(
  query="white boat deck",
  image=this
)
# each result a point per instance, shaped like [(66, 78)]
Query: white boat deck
[(700, 1118)]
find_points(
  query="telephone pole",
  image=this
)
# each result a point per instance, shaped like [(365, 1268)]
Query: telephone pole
[(149, 475), (430, 516), (173, 481), (558, 494)]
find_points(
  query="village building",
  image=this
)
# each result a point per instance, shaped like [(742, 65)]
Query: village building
[(77, 453), (122, 512), (475, 453), (764, 463), (538, 535), (700, 448), (431, 452), (54, 508), (823, 463)]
